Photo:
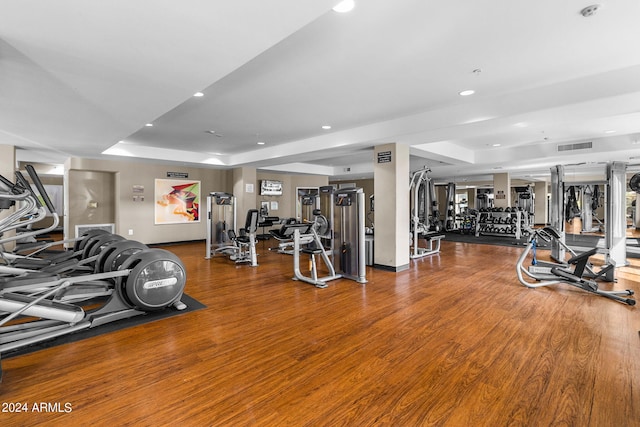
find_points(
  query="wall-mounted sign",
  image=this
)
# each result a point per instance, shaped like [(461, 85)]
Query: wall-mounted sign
[(384, 157), (177, 175)]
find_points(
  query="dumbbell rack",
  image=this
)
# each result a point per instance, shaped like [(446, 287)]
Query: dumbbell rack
[(494, 223)]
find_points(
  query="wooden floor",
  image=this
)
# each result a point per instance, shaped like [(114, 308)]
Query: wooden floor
[(453, 341)]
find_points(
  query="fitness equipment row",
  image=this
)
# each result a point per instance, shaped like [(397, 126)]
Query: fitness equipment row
[(128, 279)]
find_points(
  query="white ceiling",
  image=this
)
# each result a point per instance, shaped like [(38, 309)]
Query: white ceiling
[(80, 78)]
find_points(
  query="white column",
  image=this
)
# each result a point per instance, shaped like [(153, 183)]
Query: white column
[(391, 188)]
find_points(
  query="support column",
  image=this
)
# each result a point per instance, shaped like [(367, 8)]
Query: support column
[(471, 198), (501, 190), (540, 207), (616, 221), (245, 189), (556, 211), (391, 173)]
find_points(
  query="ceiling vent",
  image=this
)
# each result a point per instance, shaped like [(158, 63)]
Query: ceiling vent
[(578, 146)]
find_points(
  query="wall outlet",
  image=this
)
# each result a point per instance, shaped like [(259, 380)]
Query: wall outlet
[(131, 232)]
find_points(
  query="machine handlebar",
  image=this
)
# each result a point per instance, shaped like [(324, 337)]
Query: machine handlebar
[(36, 180), (21, 180)]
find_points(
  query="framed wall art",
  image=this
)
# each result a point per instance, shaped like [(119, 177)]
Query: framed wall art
[(177, 201)]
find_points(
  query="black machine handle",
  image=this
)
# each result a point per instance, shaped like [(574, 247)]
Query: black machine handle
[(13, 187), (36, 180), (6, 182), (22, 182)]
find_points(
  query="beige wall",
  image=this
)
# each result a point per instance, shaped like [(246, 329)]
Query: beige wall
[(245, 190), (139, 215), (501, 188), (92, 198)]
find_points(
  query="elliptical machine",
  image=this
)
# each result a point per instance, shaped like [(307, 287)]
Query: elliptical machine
[(581, 275), (126, 282)]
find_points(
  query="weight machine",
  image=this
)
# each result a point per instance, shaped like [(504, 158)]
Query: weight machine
[(242, 248), (615, 225), (450, 221), (306, 240), (634, 185), (590, 198), (349, 234), (423, 198), (484, 199), (221, 220), (526, 203), (307, 202)]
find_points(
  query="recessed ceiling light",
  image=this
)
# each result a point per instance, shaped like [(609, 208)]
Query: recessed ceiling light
[(212, 132), (149, 125), (497, 145), (261, 143), (344, 6), (610, 131), (520, 125), (326, 127), (198, 94), (467, 92)]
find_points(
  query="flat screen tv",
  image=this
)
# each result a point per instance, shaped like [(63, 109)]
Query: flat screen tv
[(270, 188)]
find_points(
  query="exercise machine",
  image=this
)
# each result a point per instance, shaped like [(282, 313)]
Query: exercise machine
[(307, 241), (526, 203), (590, 198), (127, 281), (242, 248), (420, 183), (221, 219), (450, 219), (349, 234), (576, 271), (306, 202), (634, 185), (484, 199), (615, 220), (323, 217)]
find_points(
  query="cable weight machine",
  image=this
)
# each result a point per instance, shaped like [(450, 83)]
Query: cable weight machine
[(615, 221), (221, 218)]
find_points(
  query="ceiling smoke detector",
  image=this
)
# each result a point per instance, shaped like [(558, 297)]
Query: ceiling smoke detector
[(590, 10)]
